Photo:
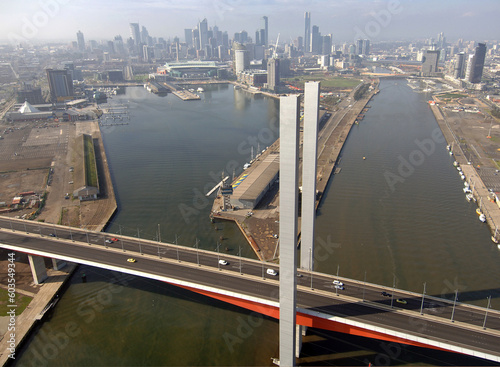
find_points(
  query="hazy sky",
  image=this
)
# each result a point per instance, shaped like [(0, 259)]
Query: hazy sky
[(346, 20)]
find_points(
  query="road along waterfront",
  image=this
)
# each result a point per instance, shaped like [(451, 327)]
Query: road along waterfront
[(131, 321)]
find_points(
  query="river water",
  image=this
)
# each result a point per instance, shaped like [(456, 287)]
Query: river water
[(393, 220)]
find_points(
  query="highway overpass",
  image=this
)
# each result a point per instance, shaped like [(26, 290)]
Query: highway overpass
[(359, 309)]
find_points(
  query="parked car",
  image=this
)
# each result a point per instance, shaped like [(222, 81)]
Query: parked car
[(403, 301), (223, 262), (131, 260), (337, 282), (385, 294), (339, 287)]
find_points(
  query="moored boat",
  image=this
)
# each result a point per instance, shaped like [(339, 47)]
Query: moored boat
[(482, 218)]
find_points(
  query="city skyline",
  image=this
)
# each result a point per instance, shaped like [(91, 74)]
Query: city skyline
[(346, 20)]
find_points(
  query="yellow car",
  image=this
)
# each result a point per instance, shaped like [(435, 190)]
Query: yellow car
[(131, 260)]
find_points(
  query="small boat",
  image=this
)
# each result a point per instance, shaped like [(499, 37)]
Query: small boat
[(448, 147), (467, 190), (462, 177), (469, 197), (482, 218), (478, 211), (455, 164), (459, 169), (200, 89), (493, 238), (466, 184)]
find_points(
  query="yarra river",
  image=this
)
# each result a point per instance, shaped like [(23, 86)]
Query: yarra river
[(413, 229)]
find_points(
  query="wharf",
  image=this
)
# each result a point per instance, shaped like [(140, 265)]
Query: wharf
[(186, 95), (479, 189), (260, 227), (35, 310)]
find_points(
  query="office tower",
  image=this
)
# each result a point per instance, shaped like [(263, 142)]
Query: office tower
[(241, 59), (366, 47), (430, 62), (288, 188), (327, 44), (458, 70), (81, 41), (31, 94), (441, 41), (307, 32), (203, 34), (60, 84), (145, 36), (266, 31), (363, 47), (476, 64), (225, 39), (188, 37), (257, 38), (315, 40), (135, 33), (147, 53), (310, 148), (273, 73)]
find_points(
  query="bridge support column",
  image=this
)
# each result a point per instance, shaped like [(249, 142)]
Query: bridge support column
[(58, 264), (37, 265), (300, 331)]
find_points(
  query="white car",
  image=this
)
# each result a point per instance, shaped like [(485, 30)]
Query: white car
[(338, 282), (108, 241), (223, 262), (271, 272), (339, 287)]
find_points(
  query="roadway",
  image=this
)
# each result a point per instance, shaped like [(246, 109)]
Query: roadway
[(358, 301)]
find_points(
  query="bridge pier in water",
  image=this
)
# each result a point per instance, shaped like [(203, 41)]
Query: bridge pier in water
[(37, 265)]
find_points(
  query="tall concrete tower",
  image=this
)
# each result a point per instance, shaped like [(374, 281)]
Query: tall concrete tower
[(203, 34), (289, 156), (310, 149), (265, 26), (81, 41), (307, 32), (135, 33)]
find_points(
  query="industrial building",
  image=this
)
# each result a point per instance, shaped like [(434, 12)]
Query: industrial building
[(248, 192)]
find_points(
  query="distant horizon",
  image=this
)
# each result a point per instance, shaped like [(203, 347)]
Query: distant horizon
[(43, 21)]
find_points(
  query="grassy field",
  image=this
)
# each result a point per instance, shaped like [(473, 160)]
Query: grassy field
[(90, 166), (326, 81), (21, 301), (451, 95)]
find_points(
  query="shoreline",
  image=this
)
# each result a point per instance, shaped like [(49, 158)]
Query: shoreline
[(259, 227), (40, 305), (479, 189)]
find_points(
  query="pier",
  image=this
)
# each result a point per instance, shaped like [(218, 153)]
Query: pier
[(260, 225)]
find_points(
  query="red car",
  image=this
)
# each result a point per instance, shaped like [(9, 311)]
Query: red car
[(114, 239)]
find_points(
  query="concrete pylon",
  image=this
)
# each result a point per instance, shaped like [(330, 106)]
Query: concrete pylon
[(289, 154), (58, 264), (309, 163), (37, 265)]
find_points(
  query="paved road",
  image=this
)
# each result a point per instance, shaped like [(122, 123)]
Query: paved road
[(357, 301)]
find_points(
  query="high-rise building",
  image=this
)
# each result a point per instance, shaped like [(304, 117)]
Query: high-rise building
[(315, 40), (273, 74), (265, 25), (307, 31), (327, 44), (30, 94), (60, 84), (458, 70), (430, 63), (203, 34), (475, 65), (188, 37), (145, 36), (135, 33), (241, 59), (81, 41)]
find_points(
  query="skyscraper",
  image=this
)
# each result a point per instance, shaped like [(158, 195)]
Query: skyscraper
[(273, 73), (135, 33), (265, 24), (430, 62), (327, 44), (476, 64), (307, 32), (81, 41), (188, 36), (458, 70), (203, 34), (315, 40), (60, 84)]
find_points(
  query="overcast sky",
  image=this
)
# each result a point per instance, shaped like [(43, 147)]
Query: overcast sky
[(38, 20)]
